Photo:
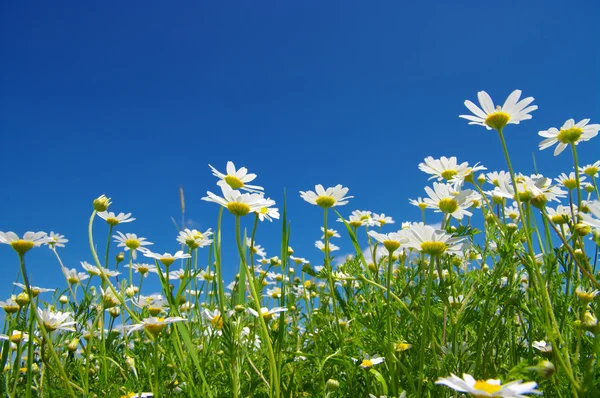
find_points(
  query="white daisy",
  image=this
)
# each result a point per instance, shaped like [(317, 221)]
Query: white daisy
[(166, 258), (369, 361), (593, 217), (331, 233), (214, 317), (267, 313), (512, 112), (560, 215), (131, 242), (419, 202), (382, 219), (569, 181), (591, 169), (154, 325), (73, 276), (113, 219), (445, 199), (56, 320), (143, 268), (321, 246), (56, 240), (236, 179), (391, 241), (488, 388), (10, 306), (325, 198), (194, 238), (23, 245), (268, 212), (256, 248), (427, 239), (35, 290), (542, 346), (447, 168), (95, 271), (238, 204), (569, 133)]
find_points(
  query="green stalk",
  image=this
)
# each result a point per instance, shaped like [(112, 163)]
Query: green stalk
[(429, 289), (392, 361)]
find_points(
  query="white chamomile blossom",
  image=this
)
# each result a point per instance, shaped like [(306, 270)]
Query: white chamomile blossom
[(488, 388), (178, 274), (98, 271), (236, 179), (447, 168), (266, 212), (238, 204), (542, 346), (569, 133), (512, 112), (382, 219), (56, 320), (73, 276), (214, 317), (321, 246), (560, 215), (16, 337), (154, 325), (131, 242), (419, 202), (429, 240), (166, 258), (113, 219), (23, 245), (194, 238), (143, 268), (591, 170), (444, 198), (391, 241), (55, 240), (593, 217), (267, 313), (325, 198), (255, 248), (368, 361), (570, 181), (35, 290), (10, 306), (331, 233), (206, 275), (494, 177)]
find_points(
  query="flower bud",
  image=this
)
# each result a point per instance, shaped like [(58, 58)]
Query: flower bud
[(332, 385), (101, 203), (63, 299)]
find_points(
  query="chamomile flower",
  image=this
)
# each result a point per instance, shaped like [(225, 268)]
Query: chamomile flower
[(55, 240), (560, 215), (10, 306), (113, 219), (96, 271), (494, 177), (569, 133), (586, 295), (331, 233), (321, 246), (569, 181), (238, 204), (273, 293), (206, 275), (448, 169), (178, 274), (419, 202), (194, 238), (131, 242), (445, 199), (154, 325), (488, 388), (35, 290), (267, 212), (593, 217), (166, 258), (267, 313), (16, 337), (369, 361), (542, 346), (512, 112), (391, 241), (214, 317), (236, 178), (429, 240), (256, 249), (382, 219), (73, 276), (56, 320), (23, 245), (591, 170), (143, 268), (325, 198)]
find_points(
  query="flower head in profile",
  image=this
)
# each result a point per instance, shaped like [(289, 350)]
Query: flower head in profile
[(113, 219), (429, 240), (96, 271), (35, 290), (326, 198), (382, 219), (448, 169), (55, 240), (56, 320), (194, 238), (488, 388), (166, 258), (236, 178), (154, 325), (391, 241), (321, 246), (593, 217), (512, 112), (239, 204), (591, 170), (10, 306), (23, 245), (73, 276), (143, 268), (267, 313), (131, 242), (569, 133), (368, 361)]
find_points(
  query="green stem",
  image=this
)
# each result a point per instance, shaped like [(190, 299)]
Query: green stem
[(429, 289)]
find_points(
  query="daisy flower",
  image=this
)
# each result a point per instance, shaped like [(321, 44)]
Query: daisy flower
[(55, 240), (34, 289), (448, 169), (419, 202), (267, 313), (542, 346), (236, 179), (321, 246), (586, 295), (15, 337), (23, 245), (95, 271), (256, 249), (382, 219), (273, 293), (73, 276), (267, 212), (56, 320), (154, 325), (325, 198), (331, 233), (488, 388), (238, 204), (391, 241), (113, 219), (429, 240), (131, 242), (10, 306), (560, 215), (206, 275), (445, 199), (512, 112), (143, 268), (495, 177), (569, 133), (370, 361), (194, 238), (214, 317), (178, 274), (593, 217), (569, 181), (166, 258), (591, 169)]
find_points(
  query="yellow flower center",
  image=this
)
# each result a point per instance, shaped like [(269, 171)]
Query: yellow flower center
[(22, 246), (72, 279), (50, 327), (156, 328), (591, 171), (366, 363), (487, 387), (448, 174), (403, 346), (325, 201), (167, 261), (234, 182), (433, 248), (112, 221), (498, 119), (238, 208), (559, 219), (154, 311), (11, 309), (569, 136), (570, 183), (217, 322), (355, 224), (539, 201), (264, 210), (17, 337), (267, 316), (142, 269), (448, 205), (132, 243), (391, 245)]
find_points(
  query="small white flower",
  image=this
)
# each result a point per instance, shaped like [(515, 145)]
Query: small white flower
[(512, 112), (166, 258), (236, 179), (154, 325), (113, 219), (325, 198), (569, 133), (321, 246), (23, 245), (131, 242), (488, 388), (238, 204), (56, 320)]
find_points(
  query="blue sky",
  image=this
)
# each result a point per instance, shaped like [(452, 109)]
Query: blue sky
[(134, 99)]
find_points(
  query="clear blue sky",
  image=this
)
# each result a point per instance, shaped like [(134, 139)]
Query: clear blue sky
[(134, 99)]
